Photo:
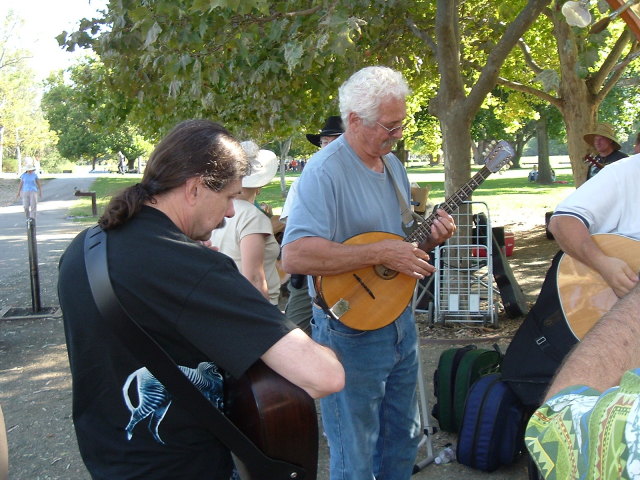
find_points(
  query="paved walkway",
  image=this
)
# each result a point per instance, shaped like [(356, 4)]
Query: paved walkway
[(54, 231), (35, 385)]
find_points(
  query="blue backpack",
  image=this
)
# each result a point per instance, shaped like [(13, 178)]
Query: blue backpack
[(492, 430)]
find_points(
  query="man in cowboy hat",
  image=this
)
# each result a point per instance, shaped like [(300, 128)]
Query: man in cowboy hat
[(298, 308), (30, 188), (603, 140), (331, 130)]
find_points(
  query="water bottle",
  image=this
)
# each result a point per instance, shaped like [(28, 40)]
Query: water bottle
[(446, 455)]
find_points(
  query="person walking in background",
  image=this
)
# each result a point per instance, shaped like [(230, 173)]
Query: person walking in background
[(30, 188), (298, 308), (603, 140), (248, 237), (191, 299), (349, 188)]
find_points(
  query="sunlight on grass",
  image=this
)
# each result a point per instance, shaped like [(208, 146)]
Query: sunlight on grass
[(512, 190), (503, 192), (105, 187)]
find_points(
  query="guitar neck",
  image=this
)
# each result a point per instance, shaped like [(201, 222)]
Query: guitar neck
[(593, 161), (451, 204)]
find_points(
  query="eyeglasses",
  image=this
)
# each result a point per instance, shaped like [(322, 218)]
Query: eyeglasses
[(393, 130)]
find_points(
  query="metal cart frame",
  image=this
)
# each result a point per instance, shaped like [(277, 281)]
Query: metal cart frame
[(464, 288)]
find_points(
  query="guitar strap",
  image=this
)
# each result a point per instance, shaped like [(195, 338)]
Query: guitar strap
[(148, 352), (408, 215)]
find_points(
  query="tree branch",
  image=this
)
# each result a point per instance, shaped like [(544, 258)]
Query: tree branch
[(297, 13), (617, 71), (490, 72), (528, 58), (530, 90), (448, 51), (426, 38), (610, 62)]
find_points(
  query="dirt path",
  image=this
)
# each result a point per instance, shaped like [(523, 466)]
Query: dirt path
[(35, 386)]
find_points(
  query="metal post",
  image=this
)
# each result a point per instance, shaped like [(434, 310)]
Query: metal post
[(33, 264), (94, 207)]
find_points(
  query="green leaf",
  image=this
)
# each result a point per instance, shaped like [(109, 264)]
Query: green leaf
[(152, 34), (292, 54), (174, 88)]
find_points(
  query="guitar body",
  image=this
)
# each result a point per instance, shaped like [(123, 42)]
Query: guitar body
[(370, 297), (373, 297), (278, 416), (584, 295)]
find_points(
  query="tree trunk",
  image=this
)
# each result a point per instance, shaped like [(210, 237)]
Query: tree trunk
[(401, 152), (579, 117), (456, 147), (580, 97), (518, 148), (285, 146), (544, 166)]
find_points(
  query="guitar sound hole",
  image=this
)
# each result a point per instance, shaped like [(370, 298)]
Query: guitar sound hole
[(384, 272)]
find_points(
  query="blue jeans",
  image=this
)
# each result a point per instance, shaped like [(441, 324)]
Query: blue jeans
[(372, 425)]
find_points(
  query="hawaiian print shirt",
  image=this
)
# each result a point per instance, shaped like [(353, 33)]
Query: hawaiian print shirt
[(582, 433)]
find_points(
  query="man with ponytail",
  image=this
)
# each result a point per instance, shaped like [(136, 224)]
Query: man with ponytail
[(191, 299)]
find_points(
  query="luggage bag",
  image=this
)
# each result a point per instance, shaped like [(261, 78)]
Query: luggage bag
[(492, 430), (457, 369)]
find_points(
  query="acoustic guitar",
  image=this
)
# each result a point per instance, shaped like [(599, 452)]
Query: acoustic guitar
[(279, 417), (373, 297), (584, 295)]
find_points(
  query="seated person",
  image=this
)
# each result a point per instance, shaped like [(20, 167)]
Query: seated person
[(588, 426)]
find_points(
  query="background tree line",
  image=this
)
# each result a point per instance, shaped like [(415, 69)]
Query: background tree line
[(270, 70)]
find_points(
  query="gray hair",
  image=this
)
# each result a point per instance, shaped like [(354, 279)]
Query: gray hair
[(366, 89)]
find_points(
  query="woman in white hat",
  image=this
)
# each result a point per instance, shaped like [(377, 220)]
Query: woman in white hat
[(30, 188), (248, 236)]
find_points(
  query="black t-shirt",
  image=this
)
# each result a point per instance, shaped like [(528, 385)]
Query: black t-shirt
[(200, 309), (604, 161)]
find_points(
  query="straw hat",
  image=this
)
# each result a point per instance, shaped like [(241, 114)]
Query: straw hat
[(264, 164), (332, 128), (29, 164), (604, 130)]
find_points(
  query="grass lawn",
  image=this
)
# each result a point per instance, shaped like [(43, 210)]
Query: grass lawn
[(507, 194)]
